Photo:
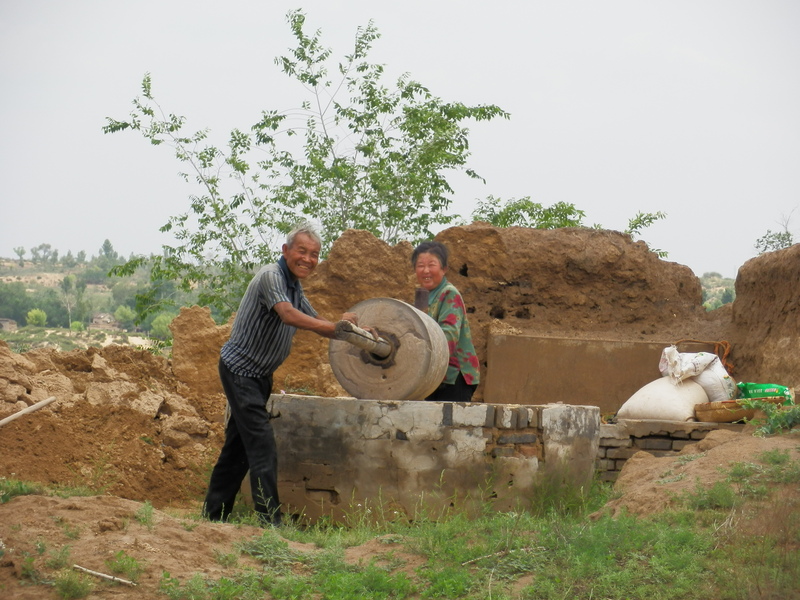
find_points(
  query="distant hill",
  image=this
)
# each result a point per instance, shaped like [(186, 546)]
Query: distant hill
[(717, 290)]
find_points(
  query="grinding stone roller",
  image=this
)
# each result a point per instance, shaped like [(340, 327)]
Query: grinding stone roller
[(408, 361)]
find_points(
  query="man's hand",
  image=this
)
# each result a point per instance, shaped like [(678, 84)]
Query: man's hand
[(349, 316), (353, 318)]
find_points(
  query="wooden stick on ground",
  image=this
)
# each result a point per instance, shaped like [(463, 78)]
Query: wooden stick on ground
[(104, 576), (25, 411)]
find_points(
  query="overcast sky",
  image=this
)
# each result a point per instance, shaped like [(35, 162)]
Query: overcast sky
[(686, 107)]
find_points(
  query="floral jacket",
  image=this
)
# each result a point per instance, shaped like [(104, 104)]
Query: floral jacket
[(446, 307)]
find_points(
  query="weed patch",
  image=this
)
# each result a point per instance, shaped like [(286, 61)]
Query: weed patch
[(69, 584), (10, 488)]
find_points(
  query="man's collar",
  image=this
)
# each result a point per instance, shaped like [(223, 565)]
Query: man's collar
[(291, 280)]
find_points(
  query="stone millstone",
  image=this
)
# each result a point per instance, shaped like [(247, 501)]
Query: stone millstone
[(414, 369)]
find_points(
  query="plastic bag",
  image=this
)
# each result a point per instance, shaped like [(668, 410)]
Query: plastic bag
[(765, 390)]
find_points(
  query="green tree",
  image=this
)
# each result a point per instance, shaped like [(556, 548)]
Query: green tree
[(391, 179), (372, 157), (525, 213), (125, 315), (69, 260), (36, 317), (14, 301), (94, 274), (717, 290), (41, 253), (727, 296), (776, 240), (123, 292), (160, 327), (73, 296), (158, 294), (108, 258), (49, 300), (20, 252), (69, 295), (641, 221), (107, 251), (80, 257)]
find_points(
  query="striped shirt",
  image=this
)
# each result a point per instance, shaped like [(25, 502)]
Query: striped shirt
[(260, 341)]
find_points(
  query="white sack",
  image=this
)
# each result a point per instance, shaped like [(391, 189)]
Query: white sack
[(705, 368), (663, 400), (682, 365), (718, 385)]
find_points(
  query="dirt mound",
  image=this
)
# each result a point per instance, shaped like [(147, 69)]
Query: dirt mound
[(120, 424), (97, 528), (650, 484)]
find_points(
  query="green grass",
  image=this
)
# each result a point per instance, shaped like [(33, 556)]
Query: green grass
[(59, 559), (125, 566), (30, 337), (723, 542), (69, 584), (551, 549), (145, 515), (11, 488)]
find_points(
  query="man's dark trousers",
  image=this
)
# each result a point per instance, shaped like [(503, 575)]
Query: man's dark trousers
[(249, 444)]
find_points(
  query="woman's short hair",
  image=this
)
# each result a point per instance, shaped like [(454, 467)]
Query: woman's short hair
[(438, 249), (306, 228)]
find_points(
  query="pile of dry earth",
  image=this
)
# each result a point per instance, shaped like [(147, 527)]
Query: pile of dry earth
[(143, 428)]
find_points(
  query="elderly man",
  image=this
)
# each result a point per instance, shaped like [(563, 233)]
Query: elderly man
[(272, 309)]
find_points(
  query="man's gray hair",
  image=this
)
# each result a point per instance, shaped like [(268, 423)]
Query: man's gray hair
[(306, 228)]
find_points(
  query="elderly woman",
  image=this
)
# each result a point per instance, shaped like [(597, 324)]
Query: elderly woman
[(446, 307)]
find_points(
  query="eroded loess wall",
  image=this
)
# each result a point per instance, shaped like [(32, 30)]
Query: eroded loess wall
[(566, 283), (766, 318)]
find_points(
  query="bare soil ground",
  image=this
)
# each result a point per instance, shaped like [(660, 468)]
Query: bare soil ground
[(146, 429)]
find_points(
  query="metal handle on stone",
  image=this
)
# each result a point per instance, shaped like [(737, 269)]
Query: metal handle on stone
[(362, 338), (421, 299)]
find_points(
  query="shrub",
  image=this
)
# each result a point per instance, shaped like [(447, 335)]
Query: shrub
[(36, 317), (778, 418)]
